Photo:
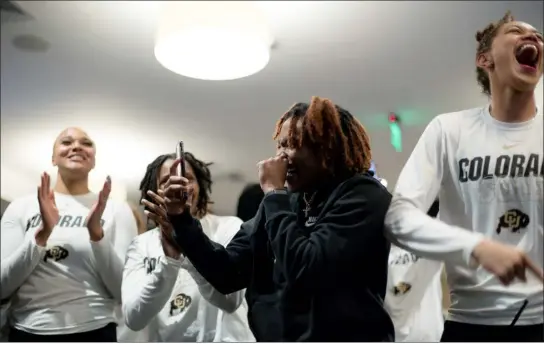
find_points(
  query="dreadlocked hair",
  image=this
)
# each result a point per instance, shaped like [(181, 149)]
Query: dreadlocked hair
[(332, 133), (485, 39), (202, 174)]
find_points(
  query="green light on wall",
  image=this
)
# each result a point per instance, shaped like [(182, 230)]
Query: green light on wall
[(396, 134)]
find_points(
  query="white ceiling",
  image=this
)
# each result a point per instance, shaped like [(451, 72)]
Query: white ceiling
[(415, 58)]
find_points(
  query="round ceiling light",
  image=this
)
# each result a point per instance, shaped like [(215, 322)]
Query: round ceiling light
[(212, 40)]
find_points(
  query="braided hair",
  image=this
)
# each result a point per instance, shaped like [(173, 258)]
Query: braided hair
[(337, 138), (202, 174)]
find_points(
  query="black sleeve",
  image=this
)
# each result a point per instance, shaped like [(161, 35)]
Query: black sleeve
[(354, 223), (226, 269)]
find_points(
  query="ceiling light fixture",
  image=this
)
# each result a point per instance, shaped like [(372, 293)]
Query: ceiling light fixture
[(212, 40)]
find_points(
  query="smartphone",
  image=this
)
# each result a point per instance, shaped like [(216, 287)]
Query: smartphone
[(180, 155)]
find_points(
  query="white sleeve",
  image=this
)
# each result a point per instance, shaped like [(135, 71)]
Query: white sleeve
[(228, 303), (407, 223), (145, 294), (421, 276), (109, 253), (20, 254)]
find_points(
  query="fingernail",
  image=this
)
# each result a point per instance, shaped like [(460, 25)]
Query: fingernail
[(108, 178)]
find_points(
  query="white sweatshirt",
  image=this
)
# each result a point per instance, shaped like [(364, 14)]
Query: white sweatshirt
[(414, 297), (488, 176), (173, 300), (73, 284)]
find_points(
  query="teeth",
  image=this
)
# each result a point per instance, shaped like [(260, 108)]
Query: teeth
[(533, 48)]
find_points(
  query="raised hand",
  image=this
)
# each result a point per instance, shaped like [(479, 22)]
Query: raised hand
[(48, 210), (157, 212), (169, 246), (173, 198), (272, 173), (505, 262), (93, 221)]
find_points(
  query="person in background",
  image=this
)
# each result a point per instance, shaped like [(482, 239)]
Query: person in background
[(162, 290), (486, 167), (249, 202), (314, 258), (414, 295), (63, 251)]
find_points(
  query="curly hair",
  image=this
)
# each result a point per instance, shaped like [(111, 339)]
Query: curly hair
[(202, 174), (485, 39), (332, 133)]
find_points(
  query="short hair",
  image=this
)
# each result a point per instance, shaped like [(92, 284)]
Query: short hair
[(332, 133), (249, 202), (202, 174), (485, 39)]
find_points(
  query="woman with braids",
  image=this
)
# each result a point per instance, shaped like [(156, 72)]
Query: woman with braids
[(162, 292), (486, 165), (314, 258)]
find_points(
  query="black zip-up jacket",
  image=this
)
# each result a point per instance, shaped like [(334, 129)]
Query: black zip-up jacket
[(321, 278)]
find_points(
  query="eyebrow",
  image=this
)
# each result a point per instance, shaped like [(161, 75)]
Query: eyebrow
[(533, 30), (72, 138)]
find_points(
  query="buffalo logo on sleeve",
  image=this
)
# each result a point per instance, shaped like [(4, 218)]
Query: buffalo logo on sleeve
[(402, 288), (514, 220), (56, 253), (179, 304)]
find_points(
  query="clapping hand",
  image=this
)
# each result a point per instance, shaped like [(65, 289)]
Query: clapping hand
[(96, 232), (48, 210)]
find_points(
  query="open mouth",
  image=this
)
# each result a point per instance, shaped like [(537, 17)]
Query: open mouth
[(76, 158), (291, 172), (527, 55)]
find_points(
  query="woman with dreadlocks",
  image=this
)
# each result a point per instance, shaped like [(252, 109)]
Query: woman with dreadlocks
[(162, 289), (314, 258)]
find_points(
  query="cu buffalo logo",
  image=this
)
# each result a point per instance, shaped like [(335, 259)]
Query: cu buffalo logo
[(56, 253), (402, 288), (514, 220), (179, 304)]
